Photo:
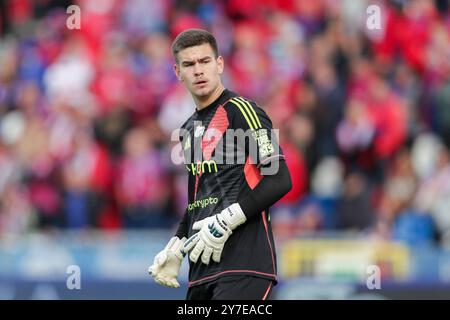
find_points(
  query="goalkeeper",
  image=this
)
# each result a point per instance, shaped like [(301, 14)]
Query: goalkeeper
[(226, 229)]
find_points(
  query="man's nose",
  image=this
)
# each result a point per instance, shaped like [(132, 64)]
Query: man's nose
[(198, 70)]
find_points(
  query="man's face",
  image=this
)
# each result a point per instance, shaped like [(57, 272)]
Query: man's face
[(199, 70)]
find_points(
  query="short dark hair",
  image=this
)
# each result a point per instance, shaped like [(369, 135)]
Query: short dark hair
[(191, 38)]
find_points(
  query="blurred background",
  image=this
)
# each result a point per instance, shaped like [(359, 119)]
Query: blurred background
[(86, 116)]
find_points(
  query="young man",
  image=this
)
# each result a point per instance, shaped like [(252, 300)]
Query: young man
[(236, 172)]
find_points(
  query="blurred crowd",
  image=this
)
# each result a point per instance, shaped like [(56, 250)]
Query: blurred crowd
[(87, 116)]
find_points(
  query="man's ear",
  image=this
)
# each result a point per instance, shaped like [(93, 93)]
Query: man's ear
[(177, 72), (220, 64)]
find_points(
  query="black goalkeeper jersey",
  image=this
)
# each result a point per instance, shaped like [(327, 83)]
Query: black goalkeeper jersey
[(225, 146)]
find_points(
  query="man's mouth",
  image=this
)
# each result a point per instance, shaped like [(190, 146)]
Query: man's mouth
[(200, 82)]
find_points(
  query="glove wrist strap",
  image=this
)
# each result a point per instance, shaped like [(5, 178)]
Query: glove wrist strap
[(177, 247), (233, 216)]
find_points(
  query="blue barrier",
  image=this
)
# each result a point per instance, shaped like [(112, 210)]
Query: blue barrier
[(114, 266)]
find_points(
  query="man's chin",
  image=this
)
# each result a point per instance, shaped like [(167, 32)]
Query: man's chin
[(203, 93)]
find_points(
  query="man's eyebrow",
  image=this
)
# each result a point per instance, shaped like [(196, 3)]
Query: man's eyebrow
[(192, 61)]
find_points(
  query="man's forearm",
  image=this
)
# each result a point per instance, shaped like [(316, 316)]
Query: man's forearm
[(268, 191)]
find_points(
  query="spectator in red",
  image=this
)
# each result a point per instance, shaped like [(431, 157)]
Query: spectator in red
[(388, 111)]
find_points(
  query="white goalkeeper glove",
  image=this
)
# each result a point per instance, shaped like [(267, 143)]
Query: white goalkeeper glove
[(167, 263), (214, 232)]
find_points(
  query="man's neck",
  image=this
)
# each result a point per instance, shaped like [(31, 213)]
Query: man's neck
[(201, 104)]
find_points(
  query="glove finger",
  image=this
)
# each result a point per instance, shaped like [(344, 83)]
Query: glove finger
[(153, 270), (164, 282), (161, 281), (160, 259), (217, 254), (195, 253), (206, 256), (171, 242), (189, 244), (174, 283), (198, 225)]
